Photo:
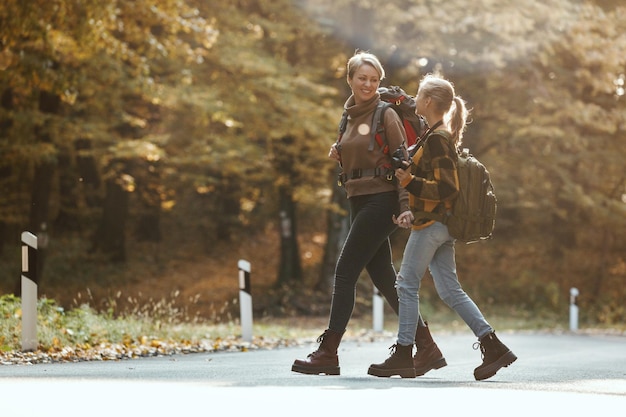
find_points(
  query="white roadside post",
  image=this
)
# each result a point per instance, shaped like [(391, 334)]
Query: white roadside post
[(245, 300), (29, 292), (377, 311), (573, 309)]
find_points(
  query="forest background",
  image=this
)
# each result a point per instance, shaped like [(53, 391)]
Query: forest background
[(152, 144)]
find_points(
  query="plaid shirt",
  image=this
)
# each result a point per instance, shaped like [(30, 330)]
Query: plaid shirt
[(434, 182)]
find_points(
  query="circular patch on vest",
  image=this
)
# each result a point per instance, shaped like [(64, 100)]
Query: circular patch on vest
[(364, 129)]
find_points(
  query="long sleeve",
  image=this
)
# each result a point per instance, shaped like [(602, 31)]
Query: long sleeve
[(357, 155), (435, 177)]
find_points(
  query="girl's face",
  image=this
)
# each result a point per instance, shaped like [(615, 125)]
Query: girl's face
[(364, 83), (420, 103)]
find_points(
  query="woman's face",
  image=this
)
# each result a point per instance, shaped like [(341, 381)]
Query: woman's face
[(364, 83)]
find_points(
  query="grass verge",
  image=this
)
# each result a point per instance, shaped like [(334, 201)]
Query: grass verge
[(84, 334)]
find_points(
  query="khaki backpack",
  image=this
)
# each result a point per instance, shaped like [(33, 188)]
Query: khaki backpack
[(473, 214)]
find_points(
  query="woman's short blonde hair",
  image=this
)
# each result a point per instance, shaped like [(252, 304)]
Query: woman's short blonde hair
[(361, 58)]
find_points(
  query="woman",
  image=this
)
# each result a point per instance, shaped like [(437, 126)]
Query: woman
[(375, 200), (432, 183)]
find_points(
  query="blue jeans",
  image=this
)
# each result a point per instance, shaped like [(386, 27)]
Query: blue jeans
[(366, 247), (433, 248)]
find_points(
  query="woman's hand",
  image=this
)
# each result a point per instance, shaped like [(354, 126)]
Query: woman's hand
[(404, 220), (334, 153)]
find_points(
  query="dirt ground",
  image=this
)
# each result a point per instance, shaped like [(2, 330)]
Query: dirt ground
[(206, 286)]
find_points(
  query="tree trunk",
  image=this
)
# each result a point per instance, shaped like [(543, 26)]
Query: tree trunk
[(88, 171), (148, 198), (362, 22), (228, 210), (39, 211), (67, 219), (336, 231), (45, 168), (290, 268), (110, 237)]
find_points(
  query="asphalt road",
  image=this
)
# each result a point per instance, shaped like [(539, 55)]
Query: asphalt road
[(555, 374)]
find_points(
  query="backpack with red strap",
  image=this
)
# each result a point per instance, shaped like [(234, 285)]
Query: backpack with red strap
[(404, 105)]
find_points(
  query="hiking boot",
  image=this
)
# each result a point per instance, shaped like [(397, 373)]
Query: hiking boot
[(428, 356), (495, 356), (324, 360), (399, 363)]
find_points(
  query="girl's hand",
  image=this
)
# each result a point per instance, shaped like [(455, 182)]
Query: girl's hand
[(403, 174), (404, 220)]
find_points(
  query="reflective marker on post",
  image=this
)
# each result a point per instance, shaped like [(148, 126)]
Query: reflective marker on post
[(245, 300), (377, 311), (573, 309), (29, 291)]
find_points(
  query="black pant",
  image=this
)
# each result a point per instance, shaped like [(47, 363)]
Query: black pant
[(367, 246)]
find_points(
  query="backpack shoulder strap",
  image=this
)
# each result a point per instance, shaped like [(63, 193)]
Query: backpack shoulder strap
[(343, 123), (443, 133), (377, 130)]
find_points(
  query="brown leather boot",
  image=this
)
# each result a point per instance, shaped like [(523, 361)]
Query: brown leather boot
[(399, 363), (428, 355), (495, 356), (324, 360)]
